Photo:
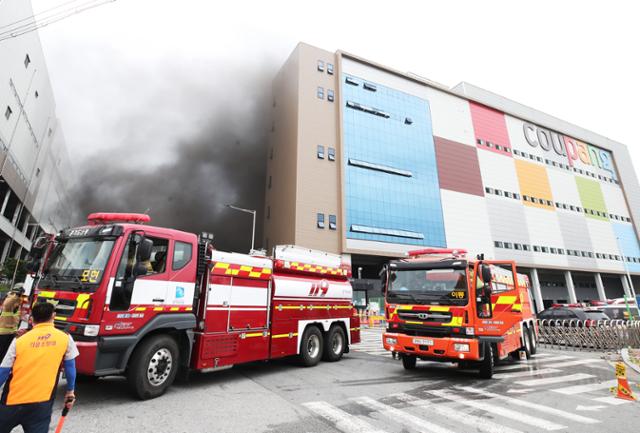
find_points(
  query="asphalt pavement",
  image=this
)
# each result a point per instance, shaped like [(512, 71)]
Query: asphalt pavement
[(367, 392)]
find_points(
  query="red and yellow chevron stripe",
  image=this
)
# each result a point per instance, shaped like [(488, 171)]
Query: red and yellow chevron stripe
[(317, 269), (235, 270)]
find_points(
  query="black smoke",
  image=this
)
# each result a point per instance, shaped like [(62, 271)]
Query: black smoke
[(220, 161)]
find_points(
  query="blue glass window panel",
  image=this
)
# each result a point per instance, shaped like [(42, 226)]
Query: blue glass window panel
[(628, 242), (383, 200)]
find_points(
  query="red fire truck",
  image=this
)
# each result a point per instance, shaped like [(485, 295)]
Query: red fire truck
[(147, 301), (441, 306)]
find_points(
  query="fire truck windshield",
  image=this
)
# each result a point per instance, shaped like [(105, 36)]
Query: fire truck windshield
[(78, 263), (428, 286)]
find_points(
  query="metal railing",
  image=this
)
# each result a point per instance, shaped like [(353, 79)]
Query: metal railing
[(597, 335)]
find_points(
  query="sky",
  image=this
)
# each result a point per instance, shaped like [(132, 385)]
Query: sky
[(143, 77)]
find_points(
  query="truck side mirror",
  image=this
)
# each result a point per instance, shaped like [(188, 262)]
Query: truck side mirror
[(144, 250), (486, 275)]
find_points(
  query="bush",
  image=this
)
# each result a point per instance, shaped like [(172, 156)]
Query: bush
[(9, 267)]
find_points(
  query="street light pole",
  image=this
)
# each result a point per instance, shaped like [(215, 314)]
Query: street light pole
[(252, 212)]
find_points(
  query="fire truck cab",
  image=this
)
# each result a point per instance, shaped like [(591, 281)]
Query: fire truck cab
[(148, 301), (441, 306)]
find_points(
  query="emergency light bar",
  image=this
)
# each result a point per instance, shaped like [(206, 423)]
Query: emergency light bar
[(425, 251), (111, 217)]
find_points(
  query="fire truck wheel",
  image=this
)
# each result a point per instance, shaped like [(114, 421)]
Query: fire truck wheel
[(153, 367), (334, 344), (409, 361), (534, 342), (488, 362), (526, 336), (311, 346)]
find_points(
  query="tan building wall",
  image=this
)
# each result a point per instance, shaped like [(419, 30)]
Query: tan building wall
[(302, 122)]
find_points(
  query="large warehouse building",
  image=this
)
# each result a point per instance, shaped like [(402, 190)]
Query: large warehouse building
[(371, 162), (35, 170)]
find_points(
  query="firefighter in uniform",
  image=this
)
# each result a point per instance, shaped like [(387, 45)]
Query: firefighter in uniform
[(9, 319), (32, 365)]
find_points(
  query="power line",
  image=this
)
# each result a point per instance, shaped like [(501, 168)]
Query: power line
[(38, 23), (39, 13)]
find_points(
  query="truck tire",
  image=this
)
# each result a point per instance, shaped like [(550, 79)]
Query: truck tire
[(534, 341), (311, 346), (526, 339), (488, 362), (334, 344), (153, 367), (409, 361)]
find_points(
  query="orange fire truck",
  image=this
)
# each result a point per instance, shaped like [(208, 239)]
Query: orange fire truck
[(147, 301), (441, 306)]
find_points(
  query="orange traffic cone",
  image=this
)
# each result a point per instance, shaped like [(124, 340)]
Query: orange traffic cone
[(624, 390)]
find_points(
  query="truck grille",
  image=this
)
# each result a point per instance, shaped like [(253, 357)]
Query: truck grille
[(426, 316)]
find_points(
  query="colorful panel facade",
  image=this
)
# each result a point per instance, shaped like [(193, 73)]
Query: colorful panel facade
[(592, 198), (534, 185), (490, 129), (458, 167)]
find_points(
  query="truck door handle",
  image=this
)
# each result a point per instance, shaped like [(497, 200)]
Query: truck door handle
[(157, 300)]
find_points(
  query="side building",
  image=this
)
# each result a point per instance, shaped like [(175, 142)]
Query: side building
[(370, 162), (35, 171)]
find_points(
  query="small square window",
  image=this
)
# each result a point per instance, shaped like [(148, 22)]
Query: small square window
[(408, 121), (534, 200), (584, 254), (330, 96), (590, 254), (499, 192), (560, 251), (320, 151), (507, 149), (547, 161), (479, 141), (320, 220), (525, 197), (517, 246), (508, 194), (572, 207), (498, 147), (7, 112), (320, 93), (536, 248), (488, 144), (330, 68), (331, 154), (508, 245), (526, 247), (558, 205), (545, 249), (553, 250), (498, 244), (516, 196), (332, 222), (320, 65), (516, 152), (488, 190), (27, 61), (533, 157)]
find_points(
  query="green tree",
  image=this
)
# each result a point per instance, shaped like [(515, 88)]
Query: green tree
[(9, 268)]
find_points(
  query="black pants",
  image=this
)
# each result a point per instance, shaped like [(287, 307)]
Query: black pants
[(33, 417), (5, 342)]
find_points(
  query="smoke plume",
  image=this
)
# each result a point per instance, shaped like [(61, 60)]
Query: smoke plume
[(221, 159)]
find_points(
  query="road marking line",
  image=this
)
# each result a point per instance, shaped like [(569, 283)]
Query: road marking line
[(554, 358), (343, 421), (501, 411), (525, 373), (476, 422), (541, 355), (409, 420), (530, 405), (578, 389), (555, 379), (611, 400), (572, 363)]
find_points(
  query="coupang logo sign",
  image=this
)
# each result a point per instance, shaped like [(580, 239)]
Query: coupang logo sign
[(574, 150)]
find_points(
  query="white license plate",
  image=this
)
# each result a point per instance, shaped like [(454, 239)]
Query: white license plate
[(423, 341)]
